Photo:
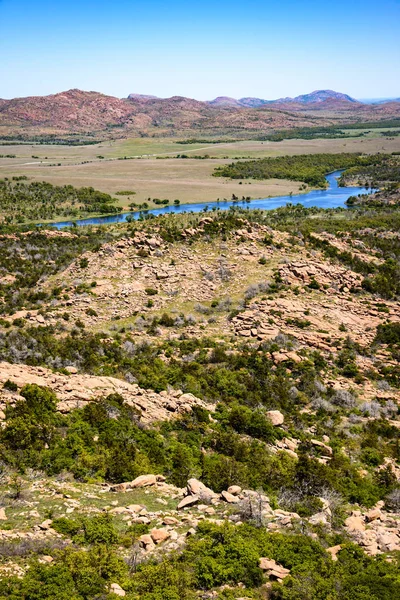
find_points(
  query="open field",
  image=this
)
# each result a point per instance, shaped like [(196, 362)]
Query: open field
[(184, 179), (255, 149), (144, 147)]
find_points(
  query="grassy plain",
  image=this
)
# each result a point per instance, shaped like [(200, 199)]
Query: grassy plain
[(189, 180)]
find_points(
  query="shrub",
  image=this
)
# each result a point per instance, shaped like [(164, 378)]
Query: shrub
[(65, 526), (388, 333), (10, 385), (151, 291)]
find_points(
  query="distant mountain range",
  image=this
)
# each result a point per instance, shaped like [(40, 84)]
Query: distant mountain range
[(313, 98), (379, 100), (92, 114)]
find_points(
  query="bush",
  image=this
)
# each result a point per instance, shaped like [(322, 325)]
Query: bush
[(151, 291), (65, 526), (388, 333), (10, 385)]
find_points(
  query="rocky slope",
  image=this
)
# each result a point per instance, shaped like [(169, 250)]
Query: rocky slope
[(76, 391), (94, 114), (272, 341)]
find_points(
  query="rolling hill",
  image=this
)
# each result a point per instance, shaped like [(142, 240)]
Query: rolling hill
[(95, 115)]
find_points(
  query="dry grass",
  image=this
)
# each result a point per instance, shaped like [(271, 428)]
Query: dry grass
[(187, 180), (184, 179)]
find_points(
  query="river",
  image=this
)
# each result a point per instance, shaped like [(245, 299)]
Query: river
[(332, 197)]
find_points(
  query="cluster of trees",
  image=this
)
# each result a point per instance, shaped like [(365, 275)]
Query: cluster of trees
[(385, 172), (105, 440), (310, 133), (310, 168), (218, 555), (243, 383), (22, 202), (330, 131), (72, 139)]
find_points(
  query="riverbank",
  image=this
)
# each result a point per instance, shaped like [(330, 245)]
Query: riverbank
[(188, 180), (331, 197)]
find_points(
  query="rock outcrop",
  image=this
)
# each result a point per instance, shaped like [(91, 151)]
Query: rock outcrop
[(76, 390), (273, 570)]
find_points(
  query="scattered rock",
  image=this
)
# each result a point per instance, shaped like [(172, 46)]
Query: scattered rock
[(373, 514), (116, 589), (146, 542), (354, 523), (136, 508), (230, 498), (159, 535), (197, 488), (333, 551), (143, 481), (234, 490), (273, 569), (188, 501), (327, 449), (170, 521), (318, 519), (276, 417)]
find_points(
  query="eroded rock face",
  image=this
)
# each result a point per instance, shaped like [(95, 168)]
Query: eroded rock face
[(76, 390)]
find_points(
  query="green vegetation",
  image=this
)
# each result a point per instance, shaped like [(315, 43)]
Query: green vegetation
[(242, 383), (310, 168), (217, 555), (162, 347), (386, 172), (125, 193), (388, 334), (24, 202), (330, 131)]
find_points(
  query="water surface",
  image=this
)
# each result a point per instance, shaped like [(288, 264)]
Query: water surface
[(332, 197)]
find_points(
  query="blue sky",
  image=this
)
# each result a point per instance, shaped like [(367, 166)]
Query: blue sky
[(201, 49)]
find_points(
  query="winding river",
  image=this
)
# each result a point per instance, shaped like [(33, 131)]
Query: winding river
[(332, 197)]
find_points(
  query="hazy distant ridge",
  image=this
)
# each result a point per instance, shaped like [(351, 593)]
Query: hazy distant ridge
[(315, 97)]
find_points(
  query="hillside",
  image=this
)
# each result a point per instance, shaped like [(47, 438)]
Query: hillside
[(73, 109), (91, 114), (321, 96), (204, 406), (316, 97)]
